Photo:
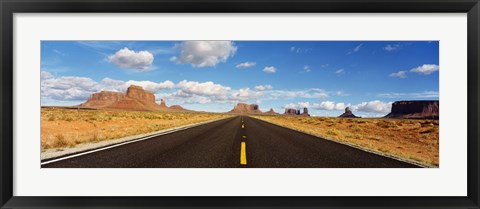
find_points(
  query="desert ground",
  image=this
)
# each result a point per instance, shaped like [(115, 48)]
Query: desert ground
[(63, 127), (412, 140)]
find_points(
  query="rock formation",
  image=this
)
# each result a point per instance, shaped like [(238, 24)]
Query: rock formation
[(347, 114), (305, 112), (290, 111), (271, 112), (293, 111), (426, 109), (136, 98), (163, 103), (176, 107), (103, 99), (246, 109)]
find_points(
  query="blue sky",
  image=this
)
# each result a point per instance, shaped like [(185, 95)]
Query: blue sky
[(325, 76)]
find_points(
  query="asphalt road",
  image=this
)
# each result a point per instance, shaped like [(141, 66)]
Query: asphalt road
[(226, 144)]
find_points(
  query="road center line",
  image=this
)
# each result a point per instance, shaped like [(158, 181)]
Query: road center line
[(243, 153)]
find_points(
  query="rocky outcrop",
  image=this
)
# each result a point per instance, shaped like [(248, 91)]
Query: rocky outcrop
[(271, 112), (137, 93), (177, 107), (347, 114), (136, 98), (426, 109), (293, 111), (290, 111), (103, 99), (246, 109), (163, 103), (305, 112)]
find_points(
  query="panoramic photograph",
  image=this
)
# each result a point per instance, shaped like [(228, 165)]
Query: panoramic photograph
[(239, 104)]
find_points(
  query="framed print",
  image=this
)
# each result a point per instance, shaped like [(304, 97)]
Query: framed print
[(264, 104)]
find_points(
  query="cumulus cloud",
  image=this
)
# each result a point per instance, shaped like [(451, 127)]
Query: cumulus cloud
[(67, 88), (373, 107), (299, 105), (391, 47), (425, 69), (204, 53), (399, 74), (270, 69), (325, 105), (129, 59), (370, 107), (246, 65), (246, 94), (263, 87), (206, 88)]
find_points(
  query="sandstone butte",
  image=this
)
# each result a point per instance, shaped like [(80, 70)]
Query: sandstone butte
[(426, 109), (136, 98), (347, 114), (242, 108), (293, 111)]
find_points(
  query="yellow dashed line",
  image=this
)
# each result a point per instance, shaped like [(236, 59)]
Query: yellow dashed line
[(243, 154), (244, 137), (243, 125)]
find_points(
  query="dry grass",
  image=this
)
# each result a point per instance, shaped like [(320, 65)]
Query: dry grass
[(412, 140), (69, 127)]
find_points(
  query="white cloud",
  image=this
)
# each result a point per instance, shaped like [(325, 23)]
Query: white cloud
[(340, 106), (373, 106), (246, 65), (67, 88), (324, 65), (306, 69), (299, 105), (204, 53), (270, 69), (129, 59), (263, 87), (325, 105), (391, 47), (356, 49), (289, 94), (341, 94), (246, 94), (299, 50), (206, 88), (340, 71), (425, 94), (152, 86), (45, 75), (425, 69), (399, 74)]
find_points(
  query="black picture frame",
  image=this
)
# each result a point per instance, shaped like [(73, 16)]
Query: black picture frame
[(9, 7)]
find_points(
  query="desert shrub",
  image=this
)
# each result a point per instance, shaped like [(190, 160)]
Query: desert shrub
[(386, 124), (430, 130), (59, 141), (333, 131)]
